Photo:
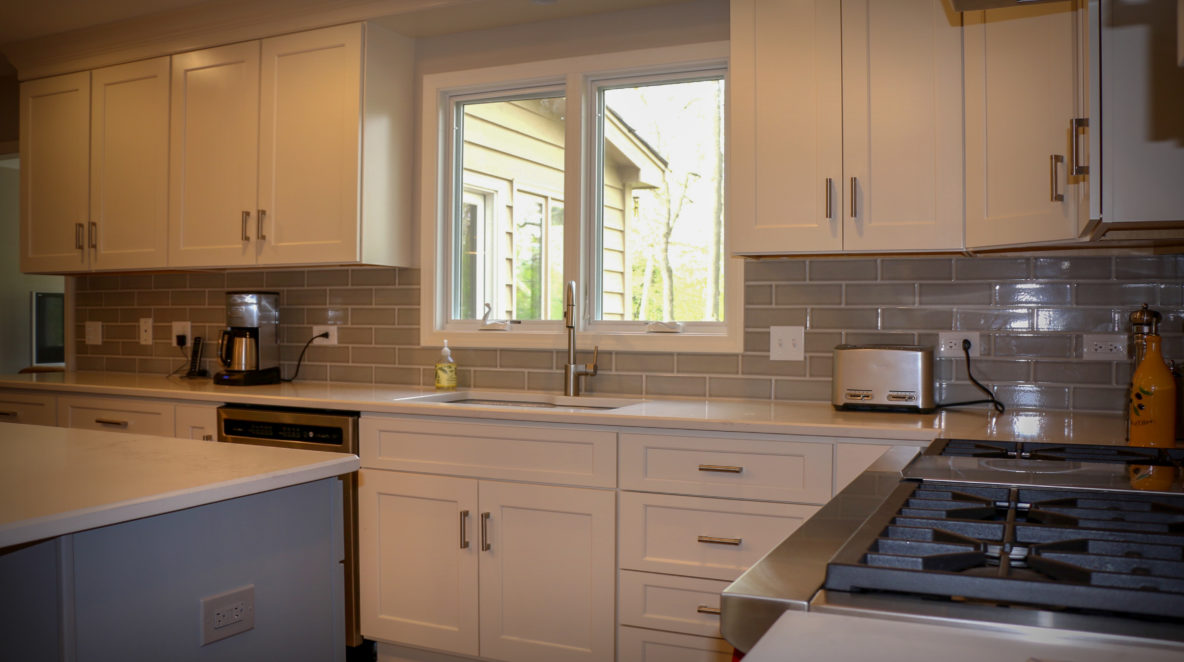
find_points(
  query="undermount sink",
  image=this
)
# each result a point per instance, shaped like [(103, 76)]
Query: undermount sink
[(524, 399)]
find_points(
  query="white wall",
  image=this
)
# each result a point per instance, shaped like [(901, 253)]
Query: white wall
[(15, 286)]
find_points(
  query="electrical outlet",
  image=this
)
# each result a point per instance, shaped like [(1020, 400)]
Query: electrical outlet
[(331, 329), (94, 333), (787, 343), (181, 329), (1103, 347), (145, 330), (949, 343), (227, 614)]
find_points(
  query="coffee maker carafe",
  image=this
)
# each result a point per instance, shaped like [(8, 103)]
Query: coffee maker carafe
[(249, 347)]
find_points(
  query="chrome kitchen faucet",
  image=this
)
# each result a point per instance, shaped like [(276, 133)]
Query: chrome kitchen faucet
[(572, 371)]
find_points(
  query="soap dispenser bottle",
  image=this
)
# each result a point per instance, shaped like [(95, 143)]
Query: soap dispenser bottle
[(1152, 406), (445, 370)]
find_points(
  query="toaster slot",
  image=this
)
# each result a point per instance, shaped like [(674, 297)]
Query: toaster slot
[(902, 396), (857, 394)]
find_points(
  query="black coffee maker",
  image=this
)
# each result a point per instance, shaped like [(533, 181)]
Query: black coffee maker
[(249, 348)]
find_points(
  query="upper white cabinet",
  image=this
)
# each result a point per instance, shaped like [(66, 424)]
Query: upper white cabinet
[(268, 140), (1025, 84), (1137, 91), (94, 169), (846, 127)]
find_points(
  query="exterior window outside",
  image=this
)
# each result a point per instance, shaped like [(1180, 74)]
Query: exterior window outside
[(606, 170), (661, 217)]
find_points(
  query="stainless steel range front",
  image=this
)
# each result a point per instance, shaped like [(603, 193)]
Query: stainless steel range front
[(988, 535)]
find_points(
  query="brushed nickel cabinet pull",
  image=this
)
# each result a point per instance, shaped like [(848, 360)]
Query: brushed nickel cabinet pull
[(464, 541), (246, 217), (259, 226), (704, 609), (829, 211), (1075, 130), (1053, 160), (721, 468), (78, 236), (92, 232), (720, 541), (854, 211), (111, 422), (485, 546)]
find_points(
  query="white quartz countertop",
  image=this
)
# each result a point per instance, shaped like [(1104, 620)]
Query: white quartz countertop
[(754, 416), (55, 481)]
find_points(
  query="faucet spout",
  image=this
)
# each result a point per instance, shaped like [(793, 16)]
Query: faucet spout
[(572, 371)]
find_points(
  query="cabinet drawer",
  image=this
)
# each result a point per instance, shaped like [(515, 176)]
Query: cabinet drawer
[(30, 408), (639, 645), (116, 414), (698, 537), (665, 602), (533, 453), (742, 468)]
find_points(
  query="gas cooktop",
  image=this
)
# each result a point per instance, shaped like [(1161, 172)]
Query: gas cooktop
[(1060, 549)]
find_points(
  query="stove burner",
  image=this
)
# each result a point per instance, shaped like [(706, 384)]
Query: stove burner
[(1045, 547), (1017, 450)]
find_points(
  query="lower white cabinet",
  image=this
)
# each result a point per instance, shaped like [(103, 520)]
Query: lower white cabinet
[(27, 407), (667, 602), (116, 414), (641, 645), (481, 567), (196, 421)]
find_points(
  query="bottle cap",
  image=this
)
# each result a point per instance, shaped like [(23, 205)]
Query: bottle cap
[(445, 352)]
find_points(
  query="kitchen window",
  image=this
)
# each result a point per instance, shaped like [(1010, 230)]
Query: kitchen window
[(605, 170)]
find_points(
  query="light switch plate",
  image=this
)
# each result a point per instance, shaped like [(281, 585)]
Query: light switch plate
[(787, 343), (94, 333), (145, 330)]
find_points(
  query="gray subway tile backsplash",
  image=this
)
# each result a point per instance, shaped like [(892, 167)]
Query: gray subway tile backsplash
[(1031, 313)]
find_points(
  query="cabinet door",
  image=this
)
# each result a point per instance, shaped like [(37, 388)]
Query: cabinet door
[(1141, 121), (129, 184), (640, 645), (55, 134), (418, 559), (116, 414), (213, 160), (309, 138), (785, 127), (902, 126), (196, 422), (1022, 77), (547, 578), (28, 408)]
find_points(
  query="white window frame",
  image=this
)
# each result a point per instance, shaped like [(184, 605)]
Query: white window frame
[(577, 76)]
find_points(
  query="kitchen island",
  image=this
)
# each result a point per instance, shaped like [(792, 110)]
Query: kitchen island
[(109, 542)]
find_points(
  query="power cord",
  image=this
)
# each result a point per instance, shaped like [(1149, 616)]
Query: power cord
[(184, 359), (994, 402), (301, 358)]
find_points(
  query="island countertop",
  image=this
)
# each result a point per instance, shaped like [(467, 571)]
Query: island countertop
[(55, 481)]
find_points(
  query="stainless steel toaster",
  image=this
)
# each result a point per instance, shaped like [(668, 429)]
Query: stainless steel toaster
[(883, 377)]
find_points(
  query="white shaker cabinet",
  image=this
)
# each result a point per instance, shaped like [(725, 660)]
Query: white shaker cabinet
[(846, 127), (476, 567), (1024, 87), (453, 557), (293, 150), (94, 169)]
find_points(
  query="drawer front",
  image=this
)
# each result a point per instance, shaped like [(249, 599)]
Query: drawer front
[(699, 537), (116, 415), (666, 602), (639, 645), (796, 471), (533, 453), (29, 408), (196, 421)]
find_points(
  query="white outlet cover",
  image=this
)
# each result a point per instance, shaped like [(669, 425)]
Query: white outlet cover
[(787, 343), (1104, 347), (227, 614), (94, 333), (145, 330), (949, 343), (318, 329), (181, 329)]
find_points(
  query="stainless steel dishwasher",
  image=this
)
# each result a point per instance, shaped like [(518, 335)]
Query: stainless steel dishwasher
[(308, 429)]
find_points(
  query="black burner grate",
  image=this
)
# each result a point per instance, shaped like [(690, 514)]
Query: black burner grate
[(1044, 451), (1046, 547)]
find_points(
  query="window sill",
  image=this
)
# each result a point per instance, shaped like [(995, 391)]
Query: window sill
[(585, 340)]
